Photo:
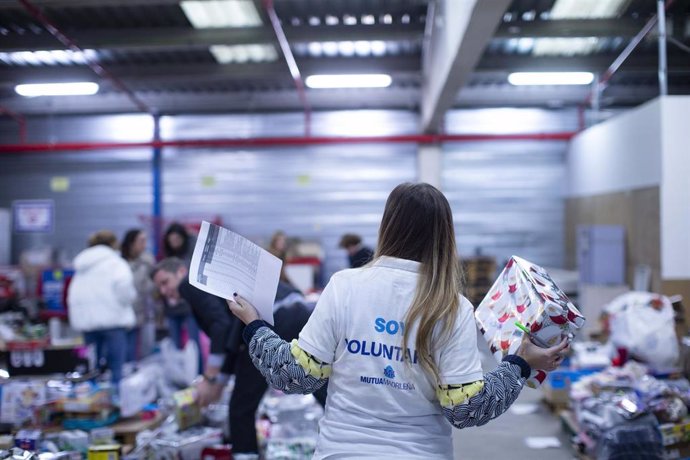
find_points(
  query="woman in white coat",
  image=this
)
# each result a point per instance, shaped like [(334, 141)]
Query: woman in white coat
[(100, 300)]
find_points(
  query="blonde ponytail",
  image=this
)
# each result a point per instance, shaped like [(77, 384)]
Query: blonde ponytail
[(417, 225)]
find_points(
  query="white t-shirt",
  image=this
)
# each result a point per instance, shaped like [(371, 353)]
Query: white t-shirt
[(379, 407)]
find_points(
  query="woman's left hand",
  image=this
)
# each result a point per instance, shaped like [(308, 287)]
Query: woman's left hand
[(241, 308)]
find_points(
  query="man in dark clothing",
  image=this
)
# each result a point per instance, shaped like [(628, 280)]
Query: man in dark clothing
[(228, 352), (211, 314), (358, 254)]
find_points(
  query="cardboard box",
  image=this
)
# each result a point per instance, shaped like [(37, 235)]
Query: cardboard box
[(20, 399), (524, 292), (187, 409), (556, 387)]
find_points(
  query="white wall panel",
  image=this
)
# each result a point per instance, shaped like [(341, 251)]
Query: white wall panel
[(675, 188), (622, 153)]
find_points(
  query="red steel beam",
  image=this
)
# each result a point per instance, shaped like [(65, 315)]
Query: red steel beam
[(615, 65), (292, 64), (284, 141), (37, 13), (21, 121)]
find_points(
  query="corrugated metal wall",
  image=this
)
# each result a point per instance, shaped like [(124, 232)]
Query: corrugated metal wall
[(106, 190), (506, 196), (316, 193), (313, 192)]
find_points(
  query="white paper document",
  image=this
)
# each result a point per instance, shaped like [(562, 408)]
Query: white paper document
[(224, 263), (542, 442)]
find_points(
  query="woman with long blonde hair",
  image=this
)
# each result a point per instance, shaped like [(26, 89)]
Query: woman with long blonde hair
[(397, 344)]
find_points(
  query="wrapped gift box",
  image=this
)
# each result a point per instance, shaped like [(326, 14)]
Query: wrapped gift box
[(524, 292), (187, 409)]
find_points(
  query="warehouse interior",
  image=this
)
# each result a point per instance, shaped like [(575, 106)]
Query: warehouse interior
[(556, 130)]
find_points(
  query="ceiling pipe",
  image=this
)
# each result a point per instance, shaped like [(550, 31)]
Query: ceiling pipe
[(663, 71), (21, 121), (285, 141), (602, 83), (292, 64), (95, 66), (581, 118)]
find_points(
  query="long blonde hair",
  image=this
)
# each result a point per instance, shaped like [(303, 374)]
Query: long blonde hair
[(417, 224)]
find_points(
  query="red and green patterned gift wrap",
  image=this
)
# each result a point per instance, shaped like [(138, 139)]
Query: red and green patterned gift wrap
[(524, 292)]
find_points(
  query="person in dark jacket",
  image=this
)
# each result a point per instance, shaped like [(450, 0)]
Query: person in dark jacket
[(228, 352), (358, 254), (212, 316)]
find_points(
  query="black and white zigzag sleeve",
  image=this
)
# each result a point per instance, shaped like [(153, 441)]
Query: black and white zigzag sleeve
[(501, 388), (285, 366)]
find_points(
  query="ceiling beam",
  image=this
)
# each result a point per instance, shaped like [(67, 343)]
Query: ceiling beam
[(389, 98), (86, 3), (184, 37), (618, 27), (457, 40), (240, 101), (553, 97), (170, 74), (274, 73), (597, 63), (13, 4), (407, 68), (178, 37)]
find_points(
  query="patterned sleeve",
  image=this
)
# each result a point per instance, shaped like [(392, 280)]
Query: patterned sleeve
[(477, 403), (286, 366)]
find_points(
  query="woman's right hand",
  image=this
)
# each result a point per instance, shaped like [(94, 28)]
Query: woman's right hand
[(547, 359), (241, 308)]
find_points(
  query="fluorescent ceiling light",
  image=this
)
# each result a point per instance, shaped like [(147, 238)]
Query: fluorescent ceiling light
[(226, 54), (571, 46), (587, 9), (346, 48), (368, 19), (349, 81), (84, 88), (550, 78), (577, 9), (48, 57), (209, 14)]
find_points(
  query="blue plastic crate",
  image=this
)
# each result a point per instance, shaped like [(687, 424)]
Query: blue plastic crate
[(561, 378)]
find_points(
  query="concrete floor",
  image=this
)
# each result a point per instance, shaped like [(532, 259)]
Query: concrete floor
[(505, 436)]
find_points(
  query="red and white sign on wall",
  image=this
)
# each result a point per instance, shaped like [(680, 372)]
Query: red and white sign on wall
[(33, 215)]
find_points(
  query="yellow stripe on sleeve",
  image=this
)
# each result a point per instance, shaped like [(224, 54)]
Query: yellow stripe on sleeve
[(454, 395), (310, 364)]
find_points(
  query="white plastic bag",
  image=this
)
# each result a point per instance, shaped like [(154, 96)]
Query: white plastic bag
[(642, 323), (180, 367), (136, 390)]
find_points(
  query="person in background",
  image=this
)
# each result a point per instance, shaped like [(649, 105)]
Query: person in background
[(278, 244), (141, 338), (291, 314), (397, 344), (177, 242), (358, 254), (100, 299), (170, 276), (279, 248)]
